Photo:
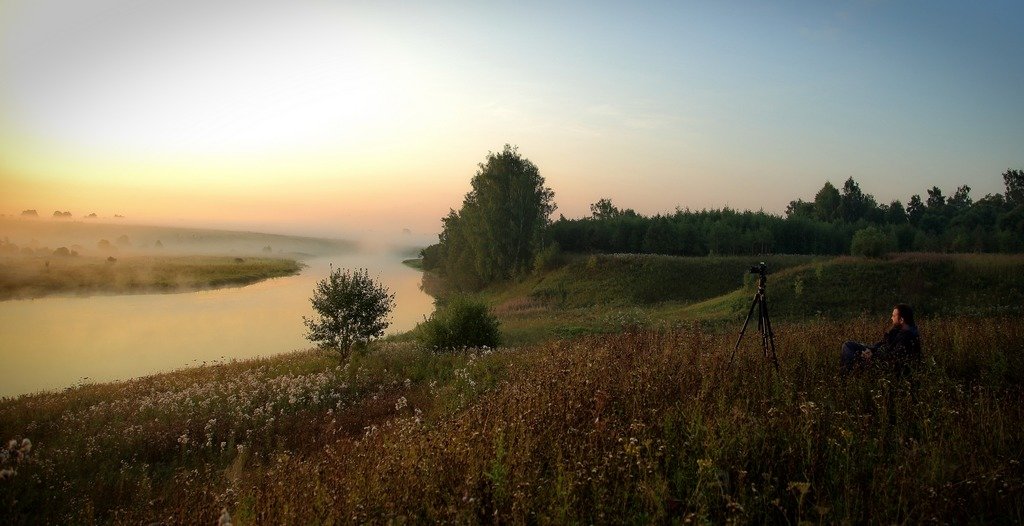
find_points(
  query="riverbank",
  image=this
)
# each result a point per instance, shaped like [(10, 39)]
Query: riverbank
[(23, 277)]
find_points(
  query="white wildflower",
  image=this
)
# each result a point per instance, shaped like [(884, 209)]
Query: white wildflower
[(225, 518), (401, 403)]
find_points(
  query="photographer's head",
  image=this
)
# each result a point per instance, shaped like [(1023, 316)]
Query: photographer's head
[(903, 315)]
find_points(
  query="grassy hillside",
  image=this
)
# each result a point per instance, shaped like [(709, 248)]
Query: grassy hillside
[(626, 279), (610, 293), (935, 284), (638, 427)]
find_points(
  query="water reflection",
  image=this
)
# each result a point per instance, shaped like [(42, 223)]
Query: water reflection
[(55, 342)]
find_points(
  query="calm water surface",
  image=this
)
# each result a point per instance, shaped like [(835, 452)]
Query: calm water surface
[(57, 342)]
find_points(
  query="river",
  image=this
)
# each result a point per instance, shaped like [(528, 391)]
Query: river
[(57, 342)]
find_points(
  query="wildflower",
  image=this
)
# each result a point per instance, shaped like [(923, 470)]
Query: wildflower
[(26, 446), (401, 403), (225, 518)]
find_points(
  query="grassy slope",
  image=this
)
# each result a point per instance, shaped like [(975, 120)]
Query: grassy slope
[(639, 427), (33, 277), (642, 426), (934, 284), (606, 294)]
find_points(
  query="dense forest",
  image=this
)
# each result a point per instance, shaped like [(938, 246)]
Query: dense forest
[(503, 229), (834, 222)]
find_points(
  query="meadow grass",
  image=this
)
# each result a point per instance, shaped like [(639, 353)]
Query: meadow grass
[(620, 412), (639, 427), (33, 277), (610, 293)]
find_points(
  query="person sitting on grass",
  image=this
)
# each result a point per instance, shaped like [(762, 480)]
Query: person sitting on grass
[(899, 348)]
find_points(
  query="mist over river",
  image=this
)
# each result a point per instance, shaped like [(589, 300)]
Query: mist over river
[(57, 342)]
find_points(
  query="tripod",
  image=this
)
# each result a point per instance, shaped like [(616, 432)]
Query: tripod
[(764, 324)]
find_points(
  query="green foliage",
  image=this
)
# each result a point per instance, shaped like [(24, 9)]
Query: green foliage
[(548, 258), (351, 309), (965, 284), (1014, 181), (500, 227), (631, 280), (461, 322), (827, 225), (872, 242), (827, 203)]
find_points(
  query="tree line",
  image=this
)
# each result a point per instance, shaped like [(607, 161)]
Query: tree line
[(829, 224), (503, 229)]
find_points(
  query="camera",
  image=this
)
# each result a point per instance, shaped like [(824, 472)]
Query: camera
[(759, 268)]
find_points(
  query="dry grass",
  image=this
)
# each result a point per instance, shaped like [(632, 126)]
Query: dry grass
[(640, 427)]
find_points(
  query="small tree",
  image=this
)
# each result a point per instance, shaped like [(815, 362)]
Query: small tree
[(351, 309)]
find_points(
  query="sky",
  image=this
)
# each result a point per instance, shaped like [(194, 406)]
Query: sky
[(330, 117)]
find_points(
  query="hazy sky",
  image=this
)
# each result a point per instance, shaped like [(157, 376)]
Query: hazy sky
[(325, 116)]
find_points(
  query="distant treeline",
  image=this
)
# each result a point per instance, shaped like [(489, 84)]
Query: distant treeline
[(503, 228), (828, 224)]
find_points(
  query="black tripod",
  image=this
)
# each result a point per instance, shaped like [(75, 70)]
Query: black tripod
[(764, 324)]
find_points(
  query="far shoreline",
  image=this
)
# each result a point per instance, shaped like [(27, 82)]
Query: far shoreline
[(28, 278)]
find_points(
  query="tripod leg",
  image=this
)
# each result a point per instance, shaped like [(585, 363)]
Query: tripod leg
[(769, 335), (744, 329)]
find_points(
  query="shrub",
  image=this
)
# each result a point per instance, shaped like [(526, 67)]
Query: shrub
[(548, 258), (351, 309), (872, 242), (461, 322)]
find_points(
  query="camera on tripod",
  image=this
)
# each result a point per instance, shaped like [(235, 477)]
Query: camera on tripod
[(764, 324)]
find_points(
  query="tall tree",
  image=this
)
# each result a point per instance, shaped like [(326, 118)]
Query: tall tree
[(500, 227), (961, 199), (604, 209), (895, 214), (936, 201), (1014, 181), (800, 208), (853, 203), (827, 202), (915, 209)]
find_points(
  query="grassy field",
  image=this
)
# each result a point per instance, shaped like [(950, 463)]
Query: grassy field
[(644, 423), (606, 294), (83, 235), (33, 277), (639, 427)]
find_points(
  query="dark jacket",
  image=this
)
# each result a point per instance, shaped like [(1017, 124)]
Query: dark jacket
[(900, 345)]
